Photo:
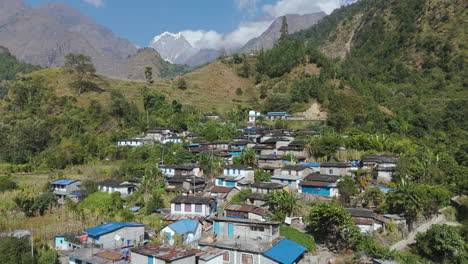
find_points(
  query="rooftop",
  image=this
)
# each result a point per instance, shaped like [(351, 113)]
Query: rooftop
[(238, 167), (164, 252), (257, 196), (286, 177), (110, 227), (208, 253), (275, 139), (270, 157), (266, 185), (245, 208), (115, 183), (192, 199), (253, 246), (294, 168), (246, 221), (64, 182), (221, 189), (184, 226), (103, 257), (335, 165), (321, 177), (286, 251)]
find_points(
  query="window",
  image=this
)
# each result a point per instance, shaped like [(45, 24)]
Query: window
[(330, 171), (289, 172), (297, 173), (226, 256), (198, 208), (257, 228), (178, 207), (188, 208), (247, 259)]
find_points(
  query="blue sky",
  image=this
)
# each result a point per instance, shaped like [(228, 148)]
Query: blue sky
[(141, 20)]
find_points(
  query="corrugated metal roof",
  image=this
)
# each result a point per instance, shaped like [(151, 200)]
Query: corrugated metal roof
[(286, 251), (64, 182), (110, 227), (245, 208), (173, 217), (184, 226), (164, 251)]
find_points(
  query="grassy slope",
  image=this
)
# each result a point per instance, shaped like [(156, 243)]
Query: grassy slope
[(212, 87)]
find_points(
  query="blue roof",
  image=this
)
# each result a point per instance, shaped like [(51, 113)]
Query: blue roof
[(309, 164), (135, 209), (109, 227), (276, 113), (184, 226), (286, 251), (64, 182)]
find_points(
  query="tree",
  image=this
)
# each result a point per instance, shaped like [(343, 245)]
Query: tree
[(240, 197), (347, 188), (83, 68), (441, 243), (248, 158), (261, 176), (433, 197), (149, 74), (277, 102), (212, 164), (155, 203), (26, 204), (290, 158), (43, 202), (373, 197), (7, 184), (282, 203), (333, 225), (405, 200), (324, 146), (15, 250), (182, 84), (284, 29)]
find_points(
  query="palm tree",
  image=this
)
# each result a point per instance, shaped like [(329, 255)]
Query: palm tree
[(211, 163), (248, 157)]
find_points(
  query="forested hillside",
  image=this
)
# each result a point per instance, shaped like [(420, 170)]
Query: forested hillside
[(9, 66)]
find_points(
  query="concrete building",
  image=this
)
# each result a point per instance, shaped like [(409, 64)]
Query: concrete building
[(266, 187), (163, 254), (291, 181), (125, 188), (239, 170), (253, 116), (189, 230), (159, 134), (116, 234), (131, 142), (96, 256), (263, 150), (336, 168), (274, 162), (193, 206), (223, 194), (189, 169), (185, 184), (367, 220), (238, 182), (319, 184), (382, 167), (209, 255), (66, 189)]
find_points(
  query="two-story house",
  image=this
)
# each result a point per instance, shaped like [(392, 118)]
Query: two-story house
[(66, 188), (270, 163), (186, 184), (125, 188), (191, 207), (382, 166), (263, 149), (116, 234), (189, 169), (244, 211), (336, 168), (159, 134), (253, 116), (266, 187)]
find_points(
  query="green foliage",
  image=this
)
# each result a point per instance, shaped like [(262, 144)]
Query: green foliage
[(182, 84), (149, 74), (215, 130), (16, 250), (281, 59), (155, 203), (7, 184), (282, 203), (370, 247), (324, 146), (212, 164), (241, 197), (333, 225), (35, 205), (108, 203), (239, 92), (48, 257), (89, 187), (277, 102), (373, 197), (301, 238), (441, 243), (347, 187), (247, 157), (83, 69), (262, 176), (10, 66)]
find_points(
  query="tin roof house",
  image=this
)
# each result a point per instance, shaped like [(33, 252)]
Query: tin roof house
[(191, 207), (189, 230), (163, 254), (125, 188), (116, 234), (319, 184), (63, 189)]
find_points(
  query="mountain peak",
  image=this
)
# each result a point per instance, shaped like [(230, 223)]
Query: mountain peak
[(167, 35), (173, 47)]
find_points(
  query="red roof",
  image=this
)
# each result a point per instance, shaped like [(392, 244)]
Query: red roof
[(221, 189), (314, 183)]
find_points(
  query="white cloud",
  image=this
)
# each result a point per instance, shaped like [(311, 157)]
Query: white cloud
[(96, 3), (202, 39), (241, 4), (284, 7)]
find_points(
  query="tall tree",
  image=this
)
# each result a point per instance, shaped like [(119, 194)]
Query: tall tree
[(83, 68), (284, 29), (282, 203), (149, 74)]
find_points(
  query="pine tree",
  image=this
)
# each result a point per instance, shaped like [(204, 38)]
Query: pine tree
[(284, 29)]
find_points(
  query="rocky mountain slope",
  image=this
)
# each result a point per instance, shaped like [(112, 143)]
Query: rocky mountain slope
[(173, 47), (295, 23)]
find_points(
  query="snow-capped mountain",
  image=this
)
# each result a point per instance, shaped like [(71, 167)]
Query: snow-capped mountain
[(173, 48), (348, 2)]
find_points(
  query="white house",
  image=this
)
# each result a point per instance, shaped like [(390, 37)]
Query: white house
[(336, 168), (193, 206), (294, 170), (110, 186), (116, 234), (172, 139), (254, 115), (239, 170), (382, 166), (159, 134), (132, 142), (189, 169), (367, 220), (189, 230), (292, 181)]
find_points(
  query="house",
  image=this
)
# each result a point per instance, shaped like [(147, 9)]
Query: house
[(66, 188), (292, 181), (277, 115), (198, 206), (254, 115), (382, 166), (131, 142), (320, 184), (276, 142), (188, 169), (223, 194), (173, 139), (125, 188), (367, 220), (314, 166), (186, 184), (262, 149), (189, 230), (239, 182), (97, 256), (266, 187), (219, 145), (252, 242), (295, 147), (257, 199), (116, 234), (239, 170), (62, 244), (163, 254), (244, 211), (209, 255), (295, 170), (191, 136), (270, 162), (336, 168), (159, 134)]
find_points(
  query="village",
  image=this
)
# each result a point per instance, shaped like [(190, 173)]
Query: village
[(202, 223)]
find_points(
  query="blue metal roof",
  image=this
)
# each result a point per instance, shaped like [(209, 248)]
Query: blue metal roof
[(184, 226), (64, 182), (309, 164), (286, 251), (135, 209), (109, 227)]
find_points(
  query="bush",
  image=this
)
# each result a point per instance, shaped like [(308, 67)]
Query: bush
[(301, 238), (7, 184), (240, 197), (441, 243)]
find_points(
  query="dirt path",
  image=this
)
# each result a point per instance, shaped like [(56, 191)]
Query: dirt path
[(439, 219)]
